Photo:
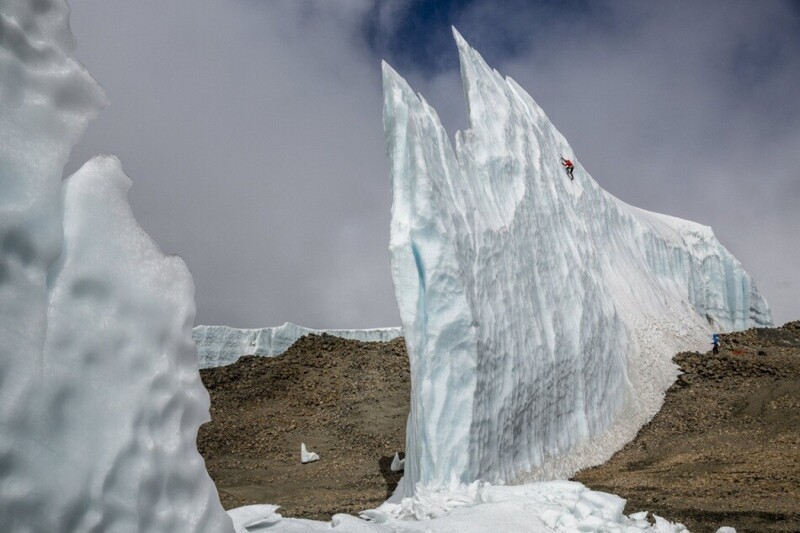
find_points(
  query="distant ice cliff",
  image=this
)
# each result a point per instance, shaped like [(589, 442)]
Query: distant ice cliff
[(223, 345)]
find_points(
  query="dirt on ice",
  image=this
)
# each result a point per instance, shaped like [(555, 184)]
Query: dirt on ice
[(724, 449)]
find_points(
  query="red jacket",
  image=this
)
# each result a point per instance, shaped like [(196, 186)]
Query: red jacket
[(567, 163)]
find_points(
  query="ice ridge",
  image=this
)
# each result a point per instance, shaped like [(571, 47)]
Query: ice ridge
[(540, 314), (223, 345)]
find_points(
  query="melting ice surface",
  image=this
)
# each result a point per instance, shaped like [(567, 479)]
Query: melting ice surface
[(540, 313)]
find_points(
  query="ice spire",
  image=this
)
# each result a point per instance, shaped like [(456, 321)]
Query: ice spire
[(540, 313)]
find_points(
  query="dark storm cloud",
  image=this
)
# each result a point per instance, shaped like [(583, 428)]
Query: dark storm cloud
[(253, 135)]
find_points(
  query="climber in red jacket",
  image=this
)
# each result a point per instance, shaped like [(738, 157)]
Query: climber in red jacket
[(570, 168)]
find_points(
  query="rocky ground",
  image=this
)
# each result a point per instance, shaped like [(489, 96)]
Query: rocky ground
[(724, 450), (346, 400)]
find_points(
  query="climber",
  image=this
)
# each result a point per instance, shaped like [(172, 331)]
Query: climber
[(569, 167), (715, 342)]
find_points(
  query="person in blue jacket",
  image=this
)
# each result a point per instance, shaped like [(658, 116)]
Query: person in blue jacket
[(715, 342)]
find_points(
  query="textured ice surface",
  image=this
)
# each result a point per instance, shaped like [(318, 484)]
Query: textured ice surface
[(540, 314), (46, 100), (223, 345), (128, 389), (559, 506), (100, 398)]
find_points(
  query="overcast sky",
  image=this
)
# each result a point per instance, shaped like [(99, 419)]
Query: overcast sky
[(252, 129)]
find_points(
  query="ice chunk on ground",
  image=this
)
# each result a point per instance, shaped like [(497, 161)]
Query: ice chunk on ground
[(120, 375), (46, 100), (306, 456), (561, 506), (223, 345), (540, 314), (253, 516)]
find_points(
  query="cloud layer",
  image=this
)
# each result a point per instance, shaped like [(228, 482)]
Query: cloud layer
[(252, 130)]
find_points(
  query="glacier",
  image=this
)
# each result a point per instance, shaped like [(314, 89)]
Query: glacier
[(100, 395), (540, 314), (223, 345)]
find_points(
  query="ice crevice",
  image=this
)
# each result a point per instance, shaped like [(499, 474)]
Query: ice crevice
[(540, 314)]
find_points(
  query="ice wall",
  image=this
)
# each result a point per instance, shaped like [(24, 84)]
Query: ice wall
[(46, 100), (223, 345), (100, 398), (540, 314)]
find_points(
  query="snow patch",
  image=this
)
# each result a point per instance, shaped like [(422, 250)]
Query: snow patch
[(560, 506), (397, 463)]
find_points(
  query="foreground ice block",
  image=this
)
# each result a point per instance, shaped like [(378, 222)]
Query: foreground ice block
[(124, 397), (223, 345), (100, 397), (46, 100), (540, 314)]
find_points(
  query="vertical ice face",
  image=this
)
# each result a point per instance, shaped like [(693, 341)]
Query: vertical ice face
[(540, 313), (46, 100), (438, 322), (100, 397)]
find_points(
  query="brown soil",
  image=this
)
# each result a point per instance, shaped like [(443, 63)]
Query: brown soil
[(724, 450), (346, 400)]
